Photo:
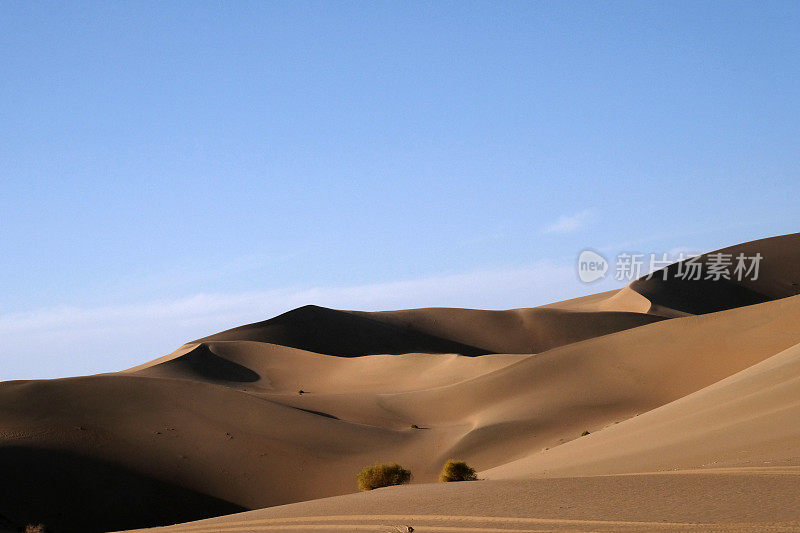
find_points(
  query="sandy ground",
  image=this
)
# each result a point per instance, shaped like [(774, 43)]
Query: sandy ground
[(691, 395), (699, 500)]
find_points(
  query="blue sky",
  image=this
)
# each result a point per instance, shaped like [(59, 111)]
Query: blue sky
[(171, 169)]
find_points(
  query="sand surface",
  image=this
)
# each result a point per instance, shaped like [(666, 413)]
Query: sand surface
[(691, 395), (698, 500)]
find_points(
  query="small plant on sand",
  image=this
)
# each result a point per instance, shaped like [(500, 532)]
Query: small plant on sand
[(301, 392), (37, 528), (457, 471), (383, 475), (584, 433), (414, 426)]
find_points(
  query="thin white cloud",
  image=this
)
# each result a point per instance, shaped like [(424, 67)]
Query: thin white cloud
[(569, 224), (78, 340)]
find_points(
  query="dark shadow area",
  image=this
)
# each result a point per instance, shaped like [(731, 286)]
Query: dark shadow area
[(328, 331), (70, 493), (776, 277), (204, 363), (318, 413), (697, 297)]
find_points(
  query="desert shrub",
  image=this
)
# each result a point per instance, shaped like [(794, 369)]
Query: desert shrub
[(383, 475), (38, 528), (584, 433), (457, 471)]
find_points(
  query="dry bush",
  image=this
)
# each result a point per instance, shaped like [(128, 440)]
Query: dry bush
[(457, 471), (383, 475)]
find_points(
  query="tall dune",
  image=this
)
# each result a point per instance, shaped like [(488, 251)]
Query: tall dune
[(778, 276)]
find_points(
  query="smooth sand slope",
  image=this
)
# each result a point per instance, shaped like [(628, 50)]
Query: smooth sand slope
[(664, 375), (699, 501)]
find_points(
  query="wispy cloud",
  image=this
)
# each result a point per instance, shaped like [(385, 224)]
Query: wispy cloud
[(79, 340), (569, 224)]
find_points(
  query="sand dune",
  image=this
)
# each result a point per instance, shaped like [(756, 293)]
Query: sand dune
[(748, 419), (436, 330), (329, 331), (778, 277), (665, 375), (517, 330), (697, 501)]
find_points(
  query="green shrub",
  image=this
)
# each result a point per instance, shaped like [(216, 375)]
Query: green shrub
[(457, 471), (383, 475)]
